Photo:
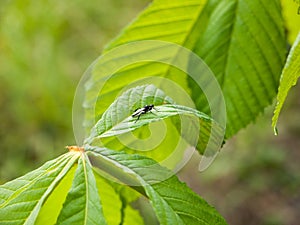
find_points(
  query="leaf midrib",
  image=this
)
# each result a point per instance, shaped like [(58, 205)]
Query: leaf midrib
[(86, 188)]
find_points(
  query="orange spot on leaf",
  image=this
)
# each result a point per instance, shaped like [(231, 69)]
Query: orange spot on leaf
[(74, 148)]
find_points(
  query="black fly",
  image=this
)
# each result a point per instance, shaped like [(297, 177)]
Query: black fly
[(138, 112)]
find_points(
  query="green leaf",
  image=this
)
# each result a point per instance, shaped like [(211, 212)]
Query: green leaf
[(172, 200), (289, 77), (110, 201), (116, 200), (132, 216), (243, 42), (291, 18), (21, 199), (117, 120), (82, 205), (223, 33), (54, 203)]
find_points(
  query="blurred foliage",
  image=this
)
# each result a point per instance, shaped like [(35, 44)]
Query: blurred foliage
[(45, 46)]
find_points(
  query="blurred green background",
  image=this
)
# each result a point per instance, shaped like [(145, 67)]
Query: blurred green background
[(45, 47)]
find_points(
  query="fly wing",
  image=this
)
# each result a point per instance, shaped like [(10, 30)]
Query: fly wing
[(137, 112)]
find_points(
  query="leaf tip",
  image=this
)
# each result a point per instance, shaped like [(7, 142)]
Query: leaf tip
[(275, 130)]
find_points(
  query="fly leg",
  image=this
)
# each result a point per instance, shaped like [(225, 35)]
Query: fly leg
[(153, 112), (137, 118)]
